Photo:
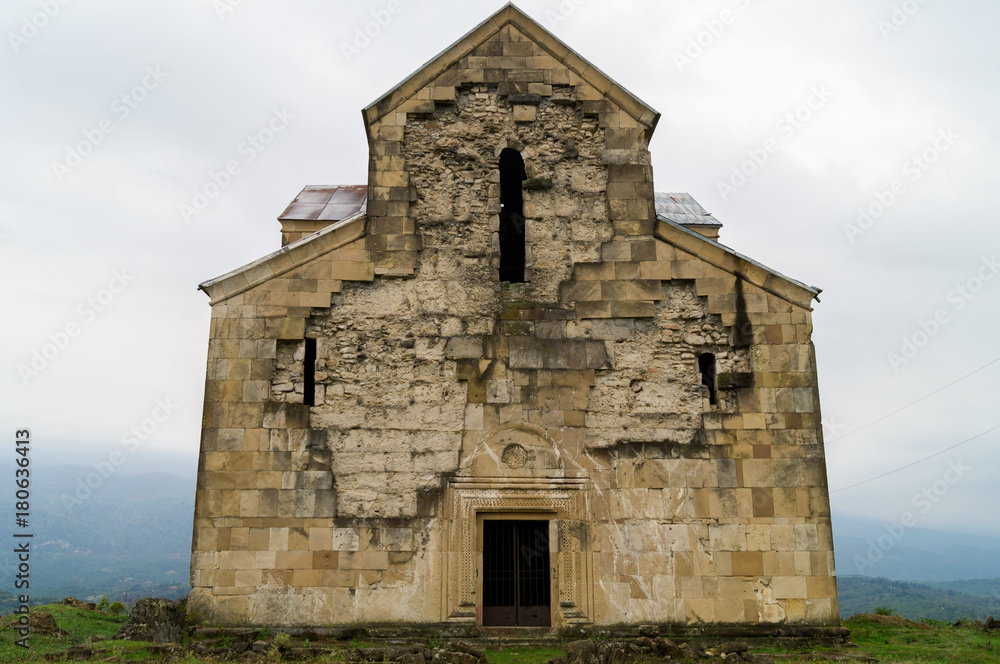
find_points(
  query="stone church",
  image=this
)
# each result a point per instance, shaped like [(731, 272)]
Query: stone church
[(507, 384)]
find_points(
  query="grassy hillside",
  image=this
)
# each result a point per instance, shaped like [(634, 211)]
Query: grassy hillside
[(862, 594), (977, 587)]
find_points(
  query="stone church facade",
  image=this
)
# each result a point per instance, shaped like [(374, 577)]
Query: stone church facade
[(505, 383)]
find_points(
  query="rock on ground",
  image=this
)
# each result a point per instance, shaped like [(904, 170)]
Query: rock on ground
[(154, 619)]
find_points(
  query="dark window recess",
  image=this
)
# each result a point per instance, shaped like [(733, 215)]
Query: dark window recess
[(309, 374), (706, 365), (512, 174), (516, 583)]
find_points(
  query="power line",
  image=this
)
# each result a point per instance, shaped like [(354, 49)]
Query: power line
[(913, 403), (891, 472)]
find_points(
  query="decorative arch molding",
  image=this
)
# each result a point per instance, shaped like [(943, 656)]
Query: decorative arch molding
[(518, 451)]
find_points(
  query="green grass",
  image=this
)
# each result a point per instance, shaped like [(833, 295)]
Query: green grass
[(82, 624), (523, 655), (893, 639)]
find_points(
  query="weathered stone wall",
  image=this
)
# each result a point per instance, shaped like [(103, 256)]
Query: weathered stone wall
[(443, 396)]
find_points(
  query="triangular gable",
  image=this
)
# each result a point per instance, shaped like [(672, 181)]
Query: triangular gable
[(294, 256), (511, 15), (737, 264)]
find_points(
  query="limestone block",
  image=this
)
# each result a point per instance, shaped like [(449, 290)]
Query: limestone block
[(247, 578), (686, 269), (820, 610), (655, 270), (443, 94), (351, 271), (293, 560), (747, 563), (524, 113), (306, 578), (580, 291), (728, 537), (464, 348), (806, 537), (346, 539), (532, 353), (285, 416), (786, 587), (396, 539), (631, 309), (341, 578), (499, 391), (284, 328)]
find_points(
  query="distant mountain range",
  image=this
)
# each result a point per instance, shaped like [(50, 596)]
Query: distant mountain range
[(130, 534), (863, 594), (868, 548), (93, 535)]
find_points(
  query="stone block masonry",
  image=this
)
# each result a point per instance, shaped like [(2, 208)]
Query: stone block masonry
[(353, 486)]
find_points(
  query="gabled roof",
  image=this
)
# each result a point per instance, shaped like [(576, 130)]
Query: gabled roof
[(511, 15), (286, 259), (684, 209), (735, 263)]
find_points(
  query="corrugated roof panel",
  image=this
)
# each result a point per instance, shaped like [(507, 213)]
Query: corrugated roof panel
[(326, 203), (683, 209), (336, 202), (316, 194)]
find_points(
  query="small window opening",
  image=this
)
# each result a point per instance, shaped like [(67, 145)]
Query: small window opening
[(706, 365), (512, 174), (309, 374)]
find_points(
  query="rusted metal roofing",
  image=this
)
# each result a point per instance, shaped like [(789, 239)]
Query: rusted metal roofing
[(327, 203), (684, 210), (336, 202)]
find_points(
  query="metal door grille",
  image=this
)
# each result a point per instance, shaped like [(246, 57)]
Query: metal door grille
[(516, 582)]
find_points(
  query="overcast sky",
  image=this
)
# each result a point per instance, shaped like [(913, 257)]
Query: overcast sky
[(115, 115)]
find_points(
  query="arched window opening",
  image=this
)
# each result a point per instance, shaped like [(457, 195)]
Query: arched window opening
[(309, 373), (706, 366), (512, 174)]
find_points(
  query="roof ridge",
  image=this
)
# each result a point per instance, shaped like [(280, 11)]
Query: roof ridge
[(511, 14)]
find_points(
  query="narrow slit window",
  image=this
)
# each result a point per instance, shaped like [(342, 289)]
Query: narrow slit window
[(706, 366), (309, 374), (512, 174)]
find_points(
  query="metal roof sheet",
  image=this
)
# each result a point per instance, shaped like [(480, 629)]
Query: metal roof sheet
[(327, 203), (336, 202), (684, 210)]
